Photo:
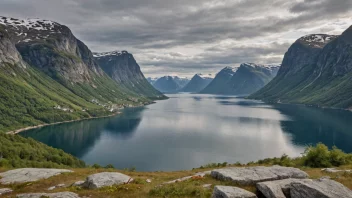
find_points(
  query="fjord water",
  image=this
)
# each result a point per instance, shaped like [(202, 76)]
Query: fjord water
[(187, 131)]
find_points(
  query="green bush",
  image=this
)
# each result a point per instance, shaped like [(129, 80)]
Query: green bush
[(19, 152)]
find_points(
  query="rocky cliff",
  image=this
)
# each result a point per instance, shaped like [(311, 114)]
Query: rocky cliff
[(54, 50), (123, 68), (47, 75), (316, 71)]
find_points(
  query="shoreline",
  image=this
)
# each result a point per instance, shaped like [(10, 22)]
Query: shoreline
[(56, 123)]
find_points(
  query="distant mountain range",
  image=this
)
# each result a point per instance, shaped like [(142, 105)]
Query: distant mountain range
[(246, 79), (169, 84), (47, 75), (316, 70), (197, 83)]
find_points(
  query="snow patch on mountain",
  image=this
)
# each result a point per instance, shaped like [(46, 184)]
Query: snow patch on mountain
[(37, 24), (317, 40), (113, 53)]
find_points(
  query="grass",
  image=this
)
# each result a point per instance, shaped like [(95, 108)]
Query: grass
[(140, 188)]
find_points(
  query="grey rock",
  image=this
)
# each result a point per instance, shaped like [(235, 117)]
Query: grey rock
[(276, 189), (200, 174), (334, 170), (5, 191), (29, 175), (106, 179), (207, 186), (253, 175), (50, 195), (231, 192), (78, 183), (148, 180), (51, 188), (322, 188)]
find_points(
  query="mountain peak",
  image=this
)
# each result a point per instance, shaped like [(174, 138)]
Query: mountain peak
[(232, 69), (30, 23), (204, 75), (317, 40), (112, 53)]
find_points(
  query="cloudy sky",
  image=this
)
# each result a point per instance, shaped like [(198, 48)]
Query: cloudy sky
[(184, 37)]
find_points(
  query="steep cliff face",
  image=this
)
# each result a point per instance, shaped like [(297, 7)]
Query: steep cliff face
[(53, 49), (319, 75), (123, 68), (220, 81), (197, 83), (47, 75)]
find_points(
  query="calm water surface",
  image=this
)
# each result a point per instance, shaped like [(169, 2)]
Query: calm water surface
[(188, 131)]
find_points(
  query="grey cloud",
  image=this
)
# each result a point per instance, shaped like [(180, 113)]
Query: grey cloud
[(161, 32)]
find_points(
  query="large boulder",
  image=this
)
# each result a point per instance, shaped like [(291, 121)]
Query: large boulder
[(49, 195), (322, 188), (5, 191), (24, 175), (106, 179), (231, 192), (276, 189), (253, 175)]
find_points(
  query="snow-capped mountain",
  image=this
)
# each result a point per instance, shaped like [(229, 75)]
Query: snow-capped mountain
[(169, 84), (124, 69), (316, 70)]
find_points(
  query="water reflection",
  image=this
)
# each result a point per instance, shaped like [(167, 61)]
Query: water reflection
[(188, 131)]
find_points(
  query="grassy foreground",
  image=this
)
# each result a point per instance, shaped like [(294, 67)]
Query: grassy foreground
[(140, 188), (311, 162)]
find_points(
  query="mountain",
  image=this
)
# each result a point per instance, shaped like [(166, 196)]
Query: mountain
[(220, 81), (167, 84), (152, 80), (123, 68), (249, 78), (316, 70), (47, 75), (197, 83), (181, 81)]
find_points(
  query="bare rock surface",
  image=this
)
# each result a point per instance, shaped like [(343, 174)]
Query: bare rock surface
[(50, 195), (5, 191), (200, 174), (334, 170), (106, 179), (253, 175), (231, 192), (322, 188), (276, 189), (29, 175), (78, 183)]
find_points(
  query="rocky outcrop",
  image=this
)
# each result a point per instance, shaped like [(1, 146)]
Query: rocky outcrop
[(231, 192), (197, 175), (276, 189), (303, 188), (322, 188), (106, 179), (253, 175), (24, 175), (8, 51), (49, 195), (5, 191), (124, 69)]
